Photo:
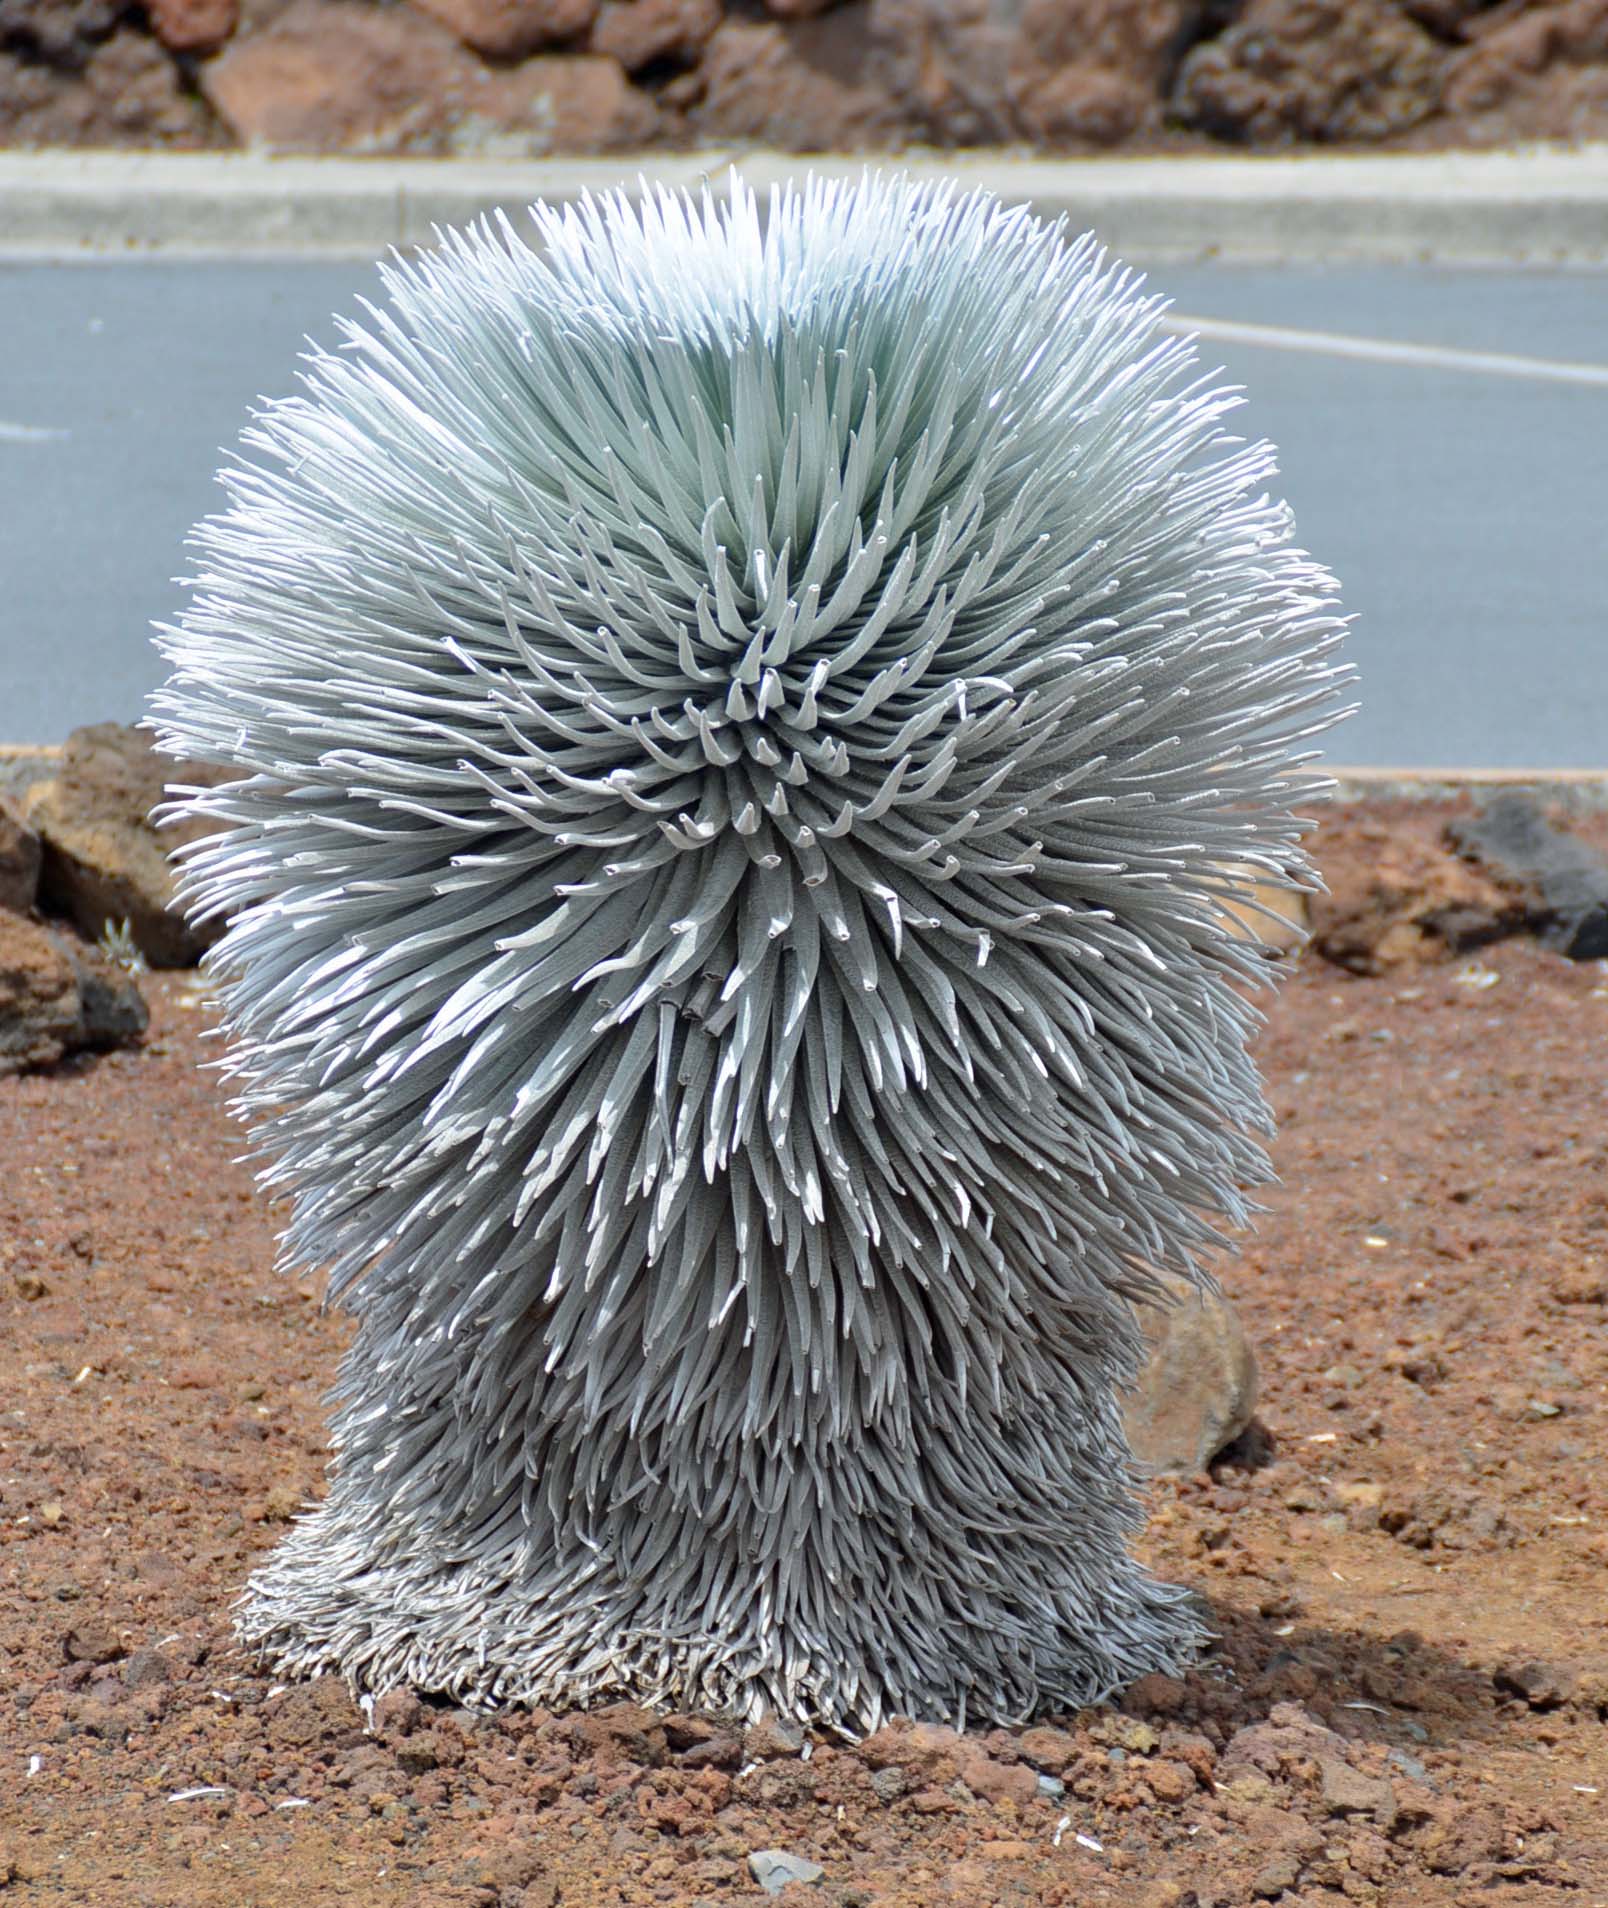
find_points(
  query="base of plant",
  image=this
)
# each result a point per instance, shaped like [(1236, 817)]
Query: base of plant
[(988, 1602)]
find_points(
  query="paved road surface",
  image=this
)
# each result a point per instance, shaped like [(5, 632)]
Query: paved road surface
[(1464, 512)]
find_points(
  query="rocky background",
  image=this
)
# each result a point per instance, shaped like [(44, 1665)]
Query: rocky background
[(527, 77)]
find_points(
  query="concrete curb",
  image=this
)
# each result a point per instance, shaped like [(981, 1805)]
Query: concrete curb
[(1543, 206), (1572, 788)]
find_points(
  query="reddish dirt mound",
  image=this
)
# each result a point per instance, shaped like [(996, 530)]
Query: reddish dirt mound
[(1404, 1557)]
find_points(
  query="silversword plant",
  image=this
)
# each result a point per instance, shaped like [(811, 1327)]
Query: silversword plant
[(748, 720)]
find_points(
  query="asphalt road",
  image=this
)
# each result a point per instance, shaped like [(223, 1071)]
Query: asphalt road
[(1464, 510)]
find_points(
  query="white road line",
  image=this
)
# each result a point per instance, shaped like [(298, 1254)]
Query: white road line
[(1337, 344), (27, 433)]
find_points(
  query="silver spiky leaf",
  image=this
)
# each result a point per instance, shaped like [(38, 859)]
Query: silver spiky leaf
[(747, 726)]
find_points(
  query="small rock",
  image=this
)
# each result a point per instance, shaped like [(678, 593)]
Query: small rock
[(192, 26), (1565, 881), (1052, 1786), (796, 85), (21, 853), (1457, 1838), (1409, 902), (1052, 71), (616, 1732), (511, 29), (104, 861), (771, 1739), (997, 1781), (1157, 1695), (1170, 1782), (91, 1641), (41, 1011), (1276, 1877), (1541, 1685), (1127, 1733), (640, 33), (1047, 1748), (1584, 1284), (1197, 1390), (1311, 70), (1347, 1791), (398, 1712), (29, 1285), (323, 76), (774, 1868), (889, 1783), (147, 1669)]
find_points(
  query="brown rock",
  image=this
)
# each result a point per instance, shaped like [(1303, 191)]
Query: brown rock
[(1456, 1838), (192, 26), (1312, 69), (1289, 1739), (1093, 71), (1080, 105), (1170, 1782), (1157, 1695), (1276, 1877), (1063, 71), (58, 996), (1411, 902), (1582, 1284), (949, 66), (123, 90), (926, 1750), (20, 854), (997, 1781), (1543, 69), (1197, 1390), (771, 1740), (104, 861), (326, 77), (91, 1640), (621, 1732), (319, 1712), (113, 1012), (147, 1669), (638, 33), (800, 86), (511, 29), (577, 103), (1051, 1750), (1347, 1791), (1541, 1685), (61, 32)]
